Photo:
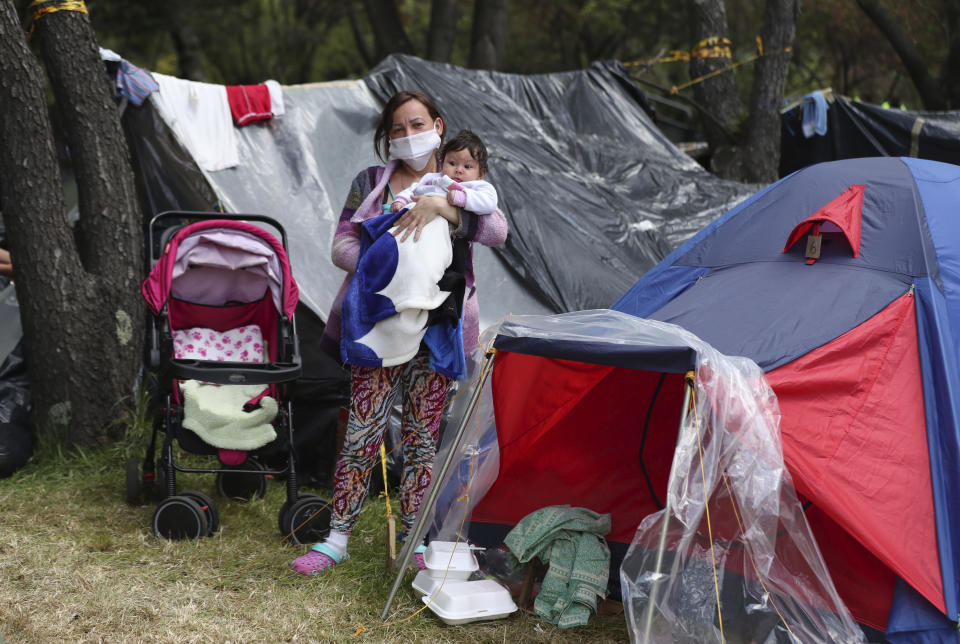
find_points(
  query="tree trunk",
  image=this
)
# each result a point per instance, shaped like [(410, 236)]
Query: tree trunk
[(755, 156), (708, 20), (389, 36), (443, 30), (80, 306), (488, 41), (761, 146), (950, 69), (912, 60)]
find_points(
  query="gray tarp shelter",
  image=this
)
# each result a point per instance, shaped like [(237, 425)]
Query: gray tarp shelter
[(594, 193)]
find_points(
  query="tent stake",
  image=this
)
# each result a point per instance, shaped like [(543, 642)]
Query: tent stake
[(426, 506), (661, 546)]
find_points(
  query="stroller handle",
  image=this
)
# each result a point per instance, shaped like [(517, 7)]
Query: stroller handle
[(235, 373), (164, 221)]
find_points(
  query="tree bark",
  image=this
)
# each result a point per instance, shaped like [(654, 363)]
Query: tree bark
[(708, 20), (755, 156), (443, 30), (950, 68), (488, 41), (80, 306), (761, 153), (912, 60)]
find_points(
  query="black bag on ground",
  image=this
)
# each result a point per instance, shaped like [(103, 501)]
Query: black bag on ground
[(16, 429)]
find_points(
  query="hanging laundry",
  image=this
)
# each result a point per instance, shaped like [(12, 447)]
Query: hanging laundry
[(199, 115), (814, 114), (135, 84), (130, 82), (249, 103), (276, 97)]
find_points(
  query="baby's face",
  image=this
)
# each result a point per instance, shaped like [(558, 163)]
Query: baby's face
[(460, 166)]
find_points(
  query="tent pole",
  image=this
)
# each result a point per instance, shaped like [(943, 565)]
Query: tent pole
[(661, 546), (426, 506)]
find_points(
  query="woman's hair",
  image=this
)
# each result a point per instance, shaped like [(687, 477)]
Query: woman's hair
[(467, 140), (381, 140)]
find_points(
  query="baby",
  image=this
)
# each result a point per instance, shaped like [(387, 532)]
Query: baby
[(463, 164)]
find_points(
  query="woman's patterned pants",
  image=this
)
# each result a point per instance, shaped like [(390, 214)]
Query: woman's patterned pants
[(373, 391)]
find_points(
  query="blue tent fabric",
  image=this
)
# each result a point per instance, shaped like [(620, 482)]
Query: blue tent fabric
[(823, 304), (735, 271), (914, 621)]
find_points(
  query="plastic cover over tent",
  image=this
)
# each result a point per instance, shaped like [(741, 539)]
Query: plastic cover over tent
[(743, 564), (595, 195)]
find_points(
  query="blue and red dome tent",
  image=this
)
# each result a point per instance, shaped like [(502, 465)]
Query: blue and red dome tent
[(842, 281)]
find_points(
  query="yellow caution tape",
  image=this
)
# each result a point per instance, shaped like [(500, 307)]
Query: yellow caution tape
[(64, 5)]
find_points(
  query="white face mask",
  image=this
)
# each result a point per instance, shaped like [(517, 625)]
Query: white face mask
[(416, 149)]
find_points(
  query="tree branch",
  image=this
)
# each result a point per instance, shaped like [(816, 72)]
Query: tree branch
[(917, 69), (704, 112)]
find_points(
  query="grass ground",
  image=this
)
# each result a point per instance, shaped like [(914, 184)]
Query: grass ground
[(78, 564)]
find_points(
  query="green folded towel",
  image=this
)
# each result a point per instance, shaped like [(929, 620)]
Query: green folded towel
[(571, 541), (215, 414)]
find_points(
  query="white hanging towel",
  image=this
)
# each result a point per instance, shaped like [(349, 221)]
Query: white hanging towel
[(276, 97), (199, 115)]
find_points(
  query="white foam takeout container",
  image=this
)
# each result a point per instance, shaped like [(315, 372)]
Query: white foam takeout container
[(426, 584), (450, 560), (461, 602)]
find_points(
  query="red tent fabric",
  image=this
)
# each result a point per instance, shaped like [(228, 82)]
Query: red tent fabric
[(843, 212), (854, 437), (574, 405)]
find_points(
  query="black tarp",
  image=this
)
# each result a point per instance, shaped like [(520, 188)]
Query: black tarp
[(594, 193), (856, 129)]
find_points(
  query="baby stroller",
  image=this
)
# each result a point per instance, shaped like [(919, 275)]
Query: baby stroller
[(224, 346)]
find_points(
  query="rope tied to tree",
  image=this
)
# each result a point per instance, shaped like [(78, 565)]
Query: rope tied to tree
[(713, 47), (760, 53), (53, 6)]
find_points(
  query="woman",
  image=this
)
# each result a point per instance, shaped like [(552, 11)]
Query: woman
[(409, 133)]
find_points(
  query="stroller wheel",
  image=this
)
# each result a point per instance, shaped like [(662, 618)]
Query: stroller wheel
[(180, 517), (307, 520), (133, 481), (242, 486), (209, 509)]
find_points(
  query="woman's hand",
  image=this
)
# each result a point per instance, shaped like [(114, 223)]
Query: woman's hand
[(422, 212)]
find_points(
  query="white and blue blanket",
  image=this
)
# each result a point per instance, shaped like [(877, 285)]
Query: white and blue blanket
[(386, 310)]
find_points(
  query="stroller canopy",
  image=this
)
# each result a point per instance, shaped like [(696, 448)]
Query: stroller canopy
[(197, 258)]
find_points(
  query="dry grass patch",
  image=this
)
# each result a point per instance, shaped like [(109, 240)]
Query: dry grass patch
[(77, 564)]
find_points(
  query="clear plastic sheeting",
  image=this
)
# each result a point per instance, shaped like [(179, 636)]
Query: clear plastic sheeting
[(731, 558), (742, 566)]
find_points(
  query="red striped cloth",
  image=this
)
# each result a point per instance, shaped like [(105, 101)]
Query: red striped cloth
[(249, 103)]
